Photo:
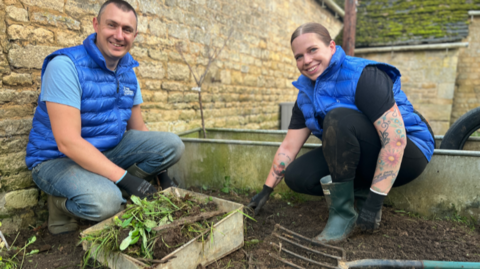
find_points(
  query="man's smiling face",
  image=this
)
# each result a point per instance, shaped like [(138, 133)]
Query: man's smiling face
[(116, 30)]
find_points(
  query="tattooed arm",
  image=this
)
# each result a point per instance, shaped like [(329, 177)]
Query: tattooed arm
[(393, 137), (286, 153)]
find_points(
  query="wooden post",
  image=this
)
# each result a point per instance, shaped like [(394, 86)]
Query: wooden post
[(349, 25)]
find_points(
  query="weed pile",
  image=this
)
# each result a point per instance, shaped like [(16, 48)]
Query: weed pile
[(150, 229)]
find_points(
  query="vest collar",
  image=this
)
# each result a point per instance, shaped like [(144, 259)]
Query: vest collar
[(127, 62), (337, 60)]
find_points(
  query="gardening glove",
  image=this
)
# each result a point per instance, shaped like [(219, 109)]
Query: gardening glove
[(260, 199), (366, 218), (136, 186)]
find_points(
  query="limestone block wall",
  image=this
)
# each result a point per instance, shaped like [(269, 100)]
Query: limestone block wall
[(467, 93), (428, 80), (242, 90)]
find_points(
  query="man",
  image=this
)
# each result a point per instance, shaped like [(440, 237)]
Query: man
[(78, 150)]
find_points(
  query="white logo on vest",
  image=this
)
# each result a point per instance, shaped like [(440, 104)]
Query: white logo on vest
[(127, 91)]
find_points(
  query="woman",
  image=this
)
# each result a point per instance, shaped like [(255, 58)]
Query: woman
[(372, 139)]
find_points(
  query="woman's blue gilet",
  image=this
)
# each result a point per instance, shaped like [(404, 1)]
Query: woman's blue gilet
[(106, 103), (336, 87)]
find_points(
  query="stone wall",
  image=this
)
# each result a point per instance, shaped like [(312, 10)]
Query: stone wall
[(467, 93), (428, 80), (243, 88)]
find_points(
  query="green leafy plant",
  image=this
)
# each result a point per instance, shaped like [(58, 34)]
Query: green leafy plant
[(226, 185), (140, 230), (12, 262)]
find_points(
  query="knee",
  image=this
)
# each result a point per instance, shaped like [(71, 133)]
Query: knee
[(289, 177), (176, 146), (334, 118), (294, 180), (101, 206)]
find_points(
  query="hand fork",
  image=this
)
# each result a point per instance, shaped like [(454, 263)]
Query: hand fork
[(339, 261)]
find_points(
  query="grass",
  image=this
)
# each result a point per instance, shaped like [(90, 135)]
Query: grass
[(470, 222), (12, 262), (292, 197)]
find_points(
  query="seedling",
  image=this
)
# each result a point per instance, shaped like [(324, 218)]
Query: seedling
[(226, 185)]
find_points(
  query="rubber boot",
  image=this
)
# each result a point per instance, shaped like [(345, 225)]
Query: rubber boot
[(134, 170), (325, 182), (165, 181), (342, 215), (360, 198), (60, 220)]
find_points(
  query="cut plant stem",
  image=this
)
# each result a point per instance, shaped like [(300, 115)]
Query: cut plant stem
[(188, 220)]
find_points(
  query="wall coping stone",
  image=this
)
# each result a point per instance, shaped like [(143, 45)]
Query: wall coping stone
[(455, 45)]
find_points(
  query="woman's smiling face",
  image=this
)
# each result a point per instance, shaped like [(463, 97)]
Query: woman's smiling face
[(312, 55)]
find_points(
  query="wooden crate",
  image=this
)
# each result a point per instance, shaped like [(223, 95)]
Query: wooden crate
[(227, 237)]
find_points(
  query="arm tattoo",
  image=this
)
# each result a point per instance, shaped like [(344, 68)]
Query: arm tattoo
[(385, 124), (279, 166), (384, 176)]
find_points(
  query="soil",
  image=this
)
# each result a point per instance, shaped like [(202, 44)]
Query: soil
[(401, 236)]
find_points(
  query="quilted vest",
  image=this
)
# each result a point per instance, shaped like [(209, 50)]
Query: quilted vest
[(336, 87), (106, 102)]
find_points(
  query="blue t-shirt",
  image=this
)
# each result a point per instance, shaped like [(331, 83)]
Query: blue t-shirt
[(60, 84)]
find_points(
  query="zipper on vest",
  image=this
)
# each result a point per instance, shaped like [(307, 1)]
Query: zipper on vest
[(118, 86)]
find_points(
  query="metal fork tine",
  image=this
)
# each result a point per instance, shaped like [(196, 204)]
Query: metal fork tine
[(306, 248), (304, 258), (285, 261), (301, 237)]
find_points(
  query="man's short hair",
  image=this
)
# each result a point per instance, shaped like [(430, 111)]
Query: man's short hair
[(121, 4)]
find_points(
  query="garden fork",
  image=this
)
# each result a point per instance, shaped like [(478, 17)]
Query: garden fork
[(339, 261)]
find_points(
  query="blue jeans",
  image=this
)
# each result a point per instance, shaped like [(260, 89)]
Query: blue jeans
[(94, 197)]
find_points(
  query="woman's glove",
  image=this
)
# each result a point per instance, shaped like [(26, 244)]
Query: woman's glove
[(372, 207), (136, 186), (260, 199)]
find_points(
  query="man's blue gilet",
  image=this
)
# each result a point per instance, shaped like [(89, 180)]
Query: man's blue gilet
[(336, 87), (106, 103)]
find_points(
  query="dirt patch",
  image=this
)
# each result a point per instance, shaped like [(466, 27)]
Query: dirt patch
[(400, 237)]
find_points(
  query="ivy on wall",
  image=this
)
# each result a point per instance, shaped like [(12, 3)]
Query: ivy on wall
[(404, 22)]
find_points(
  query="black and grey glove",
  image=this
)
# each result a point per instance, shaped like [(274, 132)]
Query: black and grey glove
[(367, 218), (259, 200), (136, 186)]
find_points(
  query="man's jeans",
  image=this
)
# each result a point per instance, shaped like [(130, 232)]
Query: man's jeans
[(94, 197)]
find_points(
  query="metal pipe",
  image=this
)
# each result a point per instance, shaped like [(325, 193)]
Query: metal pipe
[(336, 8), (414, 47), (394, 264), (313, 146), (349, 27), (437, 137)]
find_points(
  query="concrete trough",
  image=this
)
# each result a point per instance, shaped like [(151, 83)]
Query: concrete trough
[(449, 185)]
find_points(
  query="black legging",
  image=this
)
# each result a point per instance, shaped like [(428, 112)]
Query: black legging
[(350, 148)]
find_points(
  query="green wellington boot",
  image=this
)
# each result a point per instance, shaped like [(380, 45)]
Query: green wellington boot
[(360, 198), (60, 220), (342, 215), (136, 171)]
